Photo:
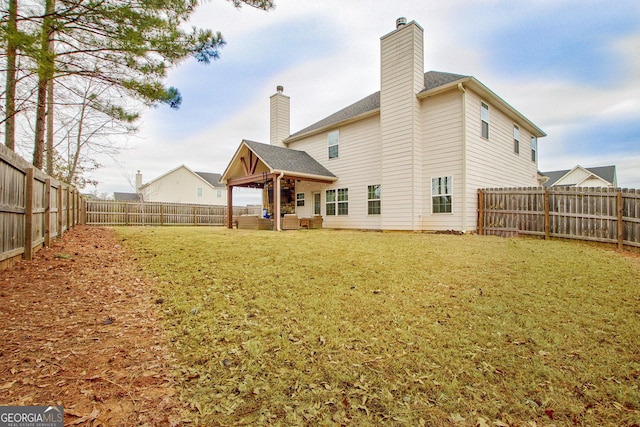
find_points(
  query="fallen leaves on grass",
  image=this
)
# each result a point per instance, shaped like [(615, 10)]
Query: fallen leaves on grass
[(375, 328), (62, 345)]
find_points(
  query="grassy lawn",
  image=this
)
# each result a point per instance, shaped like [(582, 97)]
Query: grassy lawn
[(321, 327)]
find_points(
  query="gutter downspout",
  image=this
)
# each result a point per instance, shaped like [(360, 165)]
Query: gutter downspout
[(464, 157), (276, 208)]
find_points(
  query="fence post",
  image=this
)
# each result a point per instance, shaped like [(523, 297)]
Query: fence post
[(28, 214), (68, 210), (59, 209), (547, 215), (47, 212), (195, 215), (161, 215), (620, 220), (480, 212)]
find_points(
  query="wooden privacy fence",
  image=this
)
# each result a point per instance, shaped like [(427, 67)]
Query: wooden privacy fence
[(34, 208), (100, 212), (610, 215)]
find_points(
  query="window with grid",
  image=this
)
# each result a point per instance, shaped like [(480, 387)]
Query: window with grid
[(330, 202), (484, 116), (300, 199), (373, 199), (516, 139), (343, 201), (441, 189), (333, 140), (534, 148)]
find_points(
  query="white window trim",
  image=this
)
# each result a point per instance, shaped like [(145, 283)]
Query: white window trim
[(336, 144), (451, 194), (379, 199), (488, 121)]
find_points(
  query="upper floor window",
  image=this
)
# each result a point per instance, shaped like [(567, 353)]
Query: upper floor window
[(441, 190), (299, 199), (516, 139), (218, 193), (333, 139), (199, 191), (373, 199), (534, 148), (484, 116)]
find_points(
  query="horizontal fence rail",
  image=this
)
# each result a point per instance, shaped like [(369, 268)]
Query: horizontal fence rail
[(34, 208), (101, 212), (609, 215)]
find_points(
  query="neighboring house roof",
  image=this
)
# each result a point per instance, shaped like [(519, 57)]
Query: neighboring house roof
[(434, 82), (288, 160), (208, 178), (126, 197), (211, 178), (606, 173)]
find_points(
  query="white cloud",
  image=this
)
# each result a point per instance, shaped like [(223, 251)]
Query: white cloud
[(347, 69)]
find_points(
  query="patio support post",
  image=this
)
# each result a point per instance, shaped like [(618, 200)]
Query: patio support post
[(276, 202), (229, 206)]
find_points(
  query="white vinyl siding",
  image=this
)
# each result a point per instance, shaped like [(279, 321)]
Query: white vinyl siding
[(357, 166), (494, 165), (443, 136)]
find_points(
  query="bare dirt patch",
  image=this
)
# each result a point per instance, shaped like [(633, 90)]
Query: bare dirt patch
[(79, 328)]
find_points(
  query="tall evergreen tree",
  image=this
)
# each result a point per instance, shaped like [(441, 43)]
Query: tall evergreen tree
[(128, 46), (10, 89)]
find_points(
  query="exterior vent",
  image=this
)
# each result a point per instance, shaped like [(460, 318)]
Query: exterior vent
[(401, 22)]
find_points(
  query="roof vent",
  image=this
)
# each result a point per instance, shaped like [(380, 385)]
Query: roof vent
[(401, 22), (280, 89)]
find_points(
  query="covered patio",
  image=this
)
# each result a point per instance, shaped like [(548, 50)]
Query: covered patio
[(277, 171)]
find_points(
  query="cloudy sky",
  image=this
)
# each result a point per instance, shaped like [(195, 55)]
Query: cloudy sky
[(571, 66)]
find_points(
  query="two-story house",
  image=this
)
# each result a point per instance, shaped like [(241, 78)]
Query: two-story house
[(408, 157), (182, 185)]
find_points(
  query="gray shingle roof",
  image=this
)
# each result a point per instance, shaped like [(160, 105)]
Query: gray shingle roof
[(211, 178), (286, 159), (129, 197), (432, 79)]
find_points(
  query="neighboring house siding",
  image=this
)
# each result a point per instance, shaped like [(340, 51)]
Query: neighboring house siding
[(181, 186), (442, 133), (577, 176), (594, 182)]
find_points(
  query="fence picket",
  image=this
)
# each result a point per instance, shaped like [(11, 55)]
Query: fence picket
[(101, 212)]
